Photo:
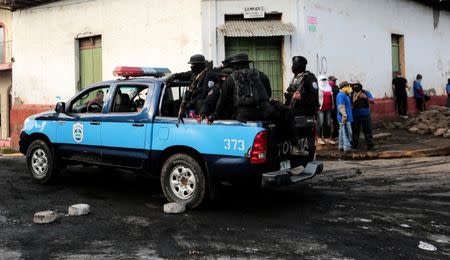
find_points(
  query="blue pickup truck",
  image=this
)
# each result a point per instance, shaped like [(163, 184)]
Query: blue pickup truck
[(132, 123)]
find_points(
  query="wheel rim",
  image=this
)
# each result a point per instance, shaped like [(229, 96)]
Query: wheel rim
[(39, 162), (182, 182)]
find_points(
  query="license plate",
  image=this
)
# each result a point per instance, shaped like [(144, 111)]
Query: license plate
[(286, 165)]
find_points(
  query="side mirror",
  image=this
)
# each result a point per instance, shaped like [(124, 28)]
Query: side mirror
[(60, 107)]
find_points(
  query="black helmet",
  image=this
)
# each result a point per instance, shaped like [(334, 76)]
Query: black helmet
[(299, 59), (227, 61), (240, 57), (226, 72), (197, 59)]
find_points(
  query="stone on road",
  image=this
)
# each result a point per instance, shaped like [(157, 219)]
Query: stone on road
[(44, 217), (79, 210), (174, 208)]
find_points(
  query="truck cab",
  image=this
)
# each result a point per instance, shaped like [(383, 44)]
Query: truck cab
[(132, 123)]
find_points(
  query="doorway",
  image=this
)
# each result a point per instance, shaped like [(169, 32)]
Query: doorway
[(90, 61), (266, 55)]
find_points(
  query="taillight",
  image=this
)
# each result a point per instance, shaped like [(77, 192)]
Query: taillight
[(258, 153)]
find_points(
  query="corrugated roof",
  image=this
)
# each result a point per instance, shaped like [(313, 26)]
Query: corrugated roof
[(256, 28)]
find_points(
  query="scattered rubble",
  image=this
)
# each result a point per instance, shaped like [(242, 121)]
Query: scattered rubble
[(44, 217), (174, 208), (78, 209), (434, 121), (426, 246), (382, 136)]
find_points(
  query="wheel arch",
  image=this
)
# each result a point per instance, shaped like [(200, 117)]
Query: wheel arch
[(37, 136)]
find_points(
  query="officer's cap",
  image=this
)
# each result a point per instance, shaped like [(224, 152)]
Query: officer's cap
[(299, 59), (227, 61), (197, 59), (240, 57)]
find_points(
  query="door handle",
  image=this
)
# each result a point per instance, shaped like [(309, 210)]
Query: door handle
[(138, 124), (95, 122)]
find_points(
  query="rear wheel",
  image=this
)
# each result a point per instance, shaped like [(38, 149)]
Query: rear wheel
[(183, 180), (40, 162)]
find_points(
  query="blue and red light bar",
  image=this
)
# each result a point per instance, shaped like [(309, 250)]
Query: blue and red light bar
[(124, 71)]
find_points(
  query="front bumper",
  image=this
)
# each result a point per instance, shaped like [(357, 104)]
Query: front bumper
[(293, 175)]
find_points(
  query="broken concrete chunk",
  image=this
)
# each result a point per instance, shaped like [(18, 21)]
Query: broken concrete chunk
[(174, 208), (382, 136), (440, 131), (413, 130), (426, 246), (79, 209), (44, 217)]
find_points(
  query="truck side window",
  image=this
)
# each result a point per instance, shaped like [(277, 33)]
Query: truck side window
[(91, 101), (171, 101), (129, 98)]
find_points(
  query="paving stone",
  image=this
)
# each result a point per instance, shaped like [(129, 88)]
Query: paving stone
[(44, 217), (174, 208), (79, 209)]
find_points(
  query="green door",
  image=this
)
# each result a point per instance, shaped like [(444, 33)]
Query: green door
[(266, 54), (395, 55), (90, 61)]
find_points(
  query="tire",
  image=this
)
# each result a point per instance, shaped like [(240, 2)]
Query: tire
[(183, 180), (40, 162)]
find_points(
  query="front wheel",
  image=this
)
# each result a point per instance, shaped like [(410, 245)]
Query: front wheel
[(40, 162), (183, 180)]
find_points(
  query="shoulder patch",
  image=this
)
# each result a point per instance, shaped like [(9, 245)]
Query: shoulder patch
[(315, 86), (211, 84)]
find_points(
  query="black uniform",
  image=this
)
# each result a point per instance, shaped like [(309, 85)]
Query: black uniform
[(205, 83), (306, 84), (249, 92)]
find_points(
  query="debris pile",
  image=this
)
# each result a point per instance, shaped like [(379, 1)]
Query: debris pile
[(434, 121)]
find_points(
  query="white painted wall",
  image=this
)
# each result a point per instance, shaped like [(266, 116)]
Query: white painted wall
[(134, 33), (355, 37)]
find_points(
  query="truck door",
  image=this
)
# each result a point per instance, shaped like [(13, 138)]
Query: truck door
[(124, 126), (78, 132)]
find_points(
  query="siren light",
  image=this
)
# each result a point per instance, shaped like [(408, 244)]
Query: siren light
[(124, 71)]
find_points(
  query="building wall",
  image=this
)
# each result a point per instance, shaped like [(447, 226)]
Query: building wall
[(5, 75), (141, 33), (355, 38)]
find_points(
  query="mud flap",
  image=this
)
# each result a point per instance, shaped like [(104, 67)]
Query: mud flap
[(293, 175)]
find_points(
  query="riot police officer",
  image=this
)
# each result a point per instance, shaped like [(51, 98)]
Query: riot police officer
[(199, 74), (302, 93), (211, 109), (249, 90)]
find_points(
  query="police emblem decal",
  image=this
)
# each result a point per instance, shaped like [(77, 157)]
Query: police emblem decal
[(77, 132)]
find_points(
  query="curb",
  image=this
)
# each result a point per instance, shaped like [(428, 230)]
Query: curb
[(12, 155), (440, 151)]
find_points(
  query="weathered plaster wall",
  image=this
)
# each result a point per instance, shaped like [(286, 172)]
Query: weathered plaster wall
[(134, 33)]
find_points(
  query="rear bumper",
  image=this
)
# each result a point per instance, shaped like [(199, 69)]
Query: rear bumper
[(293, 175)]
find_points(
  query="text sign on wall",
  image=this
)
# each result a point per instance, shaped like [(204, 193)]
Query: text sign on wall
[(253, 12), (312, 23)]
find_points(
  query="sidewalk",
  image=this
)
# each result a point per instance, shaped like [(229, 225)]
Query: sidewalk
[(393, 143)]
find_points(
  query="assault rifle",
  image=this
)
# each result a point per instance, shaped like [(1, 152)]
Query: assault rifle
[(188, 96), (300, 86)]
